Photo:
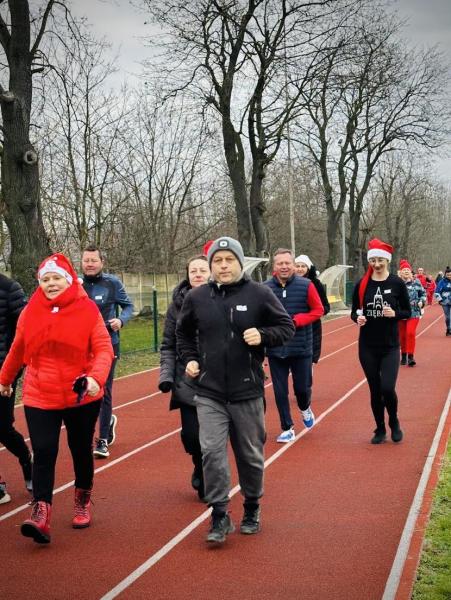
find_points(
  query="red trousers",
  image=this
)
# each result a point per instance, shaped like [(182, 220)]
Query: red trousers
[(407, 332)]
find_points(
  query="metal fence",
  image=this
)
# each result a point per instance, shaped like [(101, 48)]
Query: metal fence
[(140, 288)]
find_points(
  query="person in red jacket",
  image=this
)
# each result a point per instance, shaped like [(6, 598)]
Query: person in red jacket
[(63, 342)]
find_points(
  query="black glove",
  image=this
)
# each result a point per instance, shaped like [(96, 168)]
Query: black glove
[(165, 386)]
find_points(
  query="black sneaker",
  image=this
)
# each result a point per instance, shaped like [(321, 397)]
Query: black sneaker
[(221, 526), (251, 520), (380, 435), (396, 433), (101, 449), (112, 430), (403, 358), (411, 361)]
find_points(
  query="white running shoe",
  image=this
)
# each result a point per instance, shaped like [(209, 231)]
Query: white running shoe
[(4, 496), (308, 417), (286, 436)]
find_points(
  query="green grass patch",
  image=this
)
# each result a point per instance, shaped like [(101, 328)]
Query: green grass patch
[(433, 581), (138, 335)]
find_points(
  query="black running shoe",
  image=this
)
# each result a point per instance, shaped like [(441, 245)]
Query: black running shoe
[(221, 526), (396, 432), (380, 435), (251, 520)]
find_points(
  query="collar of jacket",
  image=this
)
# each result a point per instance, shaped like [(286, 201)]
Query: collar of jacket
[(288, 281), (180, 291), (93, 278), (229, 287)]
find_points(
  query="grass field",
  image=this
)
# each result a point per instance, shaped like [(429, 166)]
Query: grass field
[(434, 573)]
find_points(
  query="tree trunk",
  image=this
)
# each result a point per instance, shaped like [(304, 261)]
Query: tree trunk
[(258, 209), (20, 167), (234, 154)]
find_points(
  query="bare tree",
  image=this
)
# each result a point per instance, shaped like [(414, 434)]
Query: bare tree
[(168, 174), (83, 143), (19, 159), (375, 96), (235, 56)]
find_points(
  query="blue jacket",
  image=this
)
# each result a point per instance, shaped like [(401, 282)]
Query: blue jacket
[(417, 295), (294, 300), (109, 294), (443, 291)]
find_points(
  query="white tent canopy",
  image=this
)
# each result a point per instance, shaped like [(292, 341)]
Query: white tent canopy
[(251, 263), (333, 279)]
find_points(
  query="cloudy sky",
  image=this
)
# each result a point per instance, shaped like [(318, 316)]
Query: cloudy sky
[(429, 23)]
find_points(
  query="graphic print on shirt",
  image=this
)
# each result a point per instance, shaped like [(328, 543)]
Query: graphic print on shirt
[(375, 309)]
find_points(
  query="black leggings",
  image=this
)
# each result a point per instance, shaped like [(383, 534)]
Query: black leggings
[(9, 436), (44, 427), (190, 433), (381, 367)]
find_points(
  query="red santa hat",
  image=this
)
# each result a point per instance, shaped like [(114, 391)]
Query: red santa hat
[(58, 263), (206, 247), (378, 248), (404, 264)]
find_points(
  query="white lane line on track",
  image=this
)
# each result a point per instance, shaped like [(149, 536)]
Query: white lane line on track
[(156, 393), (394, 578), (115, 408), (164, 550), (13, 512), (339, 329), (151, 443)]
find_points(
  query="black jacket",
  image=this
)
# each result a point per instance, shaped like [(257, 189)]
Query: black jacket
[(172, 368), (12, 301), (230, 369), (317, 328)]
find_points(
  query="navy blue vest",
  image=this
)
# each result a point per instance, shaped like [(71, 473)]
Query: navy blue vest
[(294, 299)]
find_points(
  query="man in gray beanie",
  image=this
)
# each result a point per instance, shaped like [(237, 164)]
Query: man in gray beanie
[(226, 243), (221, 332)]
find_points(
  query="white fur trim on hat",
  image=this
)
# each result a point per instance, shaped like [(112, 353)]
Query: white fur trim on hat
[(378, 253), (303, 258), (51, 267)]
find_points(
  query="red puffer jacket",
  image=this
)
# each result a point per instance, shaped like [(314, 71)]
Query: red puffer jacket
[(48, 385)]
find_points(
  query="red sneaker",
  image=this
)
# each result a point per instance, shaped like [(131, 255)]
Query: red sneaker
[(82, 516), (38, 525)]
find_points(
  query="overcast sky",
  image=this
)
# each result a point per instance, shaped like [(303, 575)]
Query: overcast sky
[(123, 25)]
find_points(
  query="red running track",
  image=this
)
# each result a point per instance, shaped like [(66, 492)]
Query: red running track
[(338, 513)]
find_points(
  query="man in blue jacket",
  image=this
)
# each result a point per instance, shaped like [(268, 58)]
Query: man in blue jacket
[(300, 299), (109, 294)]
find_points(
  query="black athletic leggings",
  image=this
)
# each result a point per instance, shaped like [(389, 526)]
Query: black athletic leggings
[(190, 433), (44, 427), (381, 367)]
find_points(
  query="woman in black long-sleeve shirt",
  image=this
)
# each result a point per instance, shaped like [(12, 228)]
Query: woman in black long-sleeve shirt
[(380, 300)]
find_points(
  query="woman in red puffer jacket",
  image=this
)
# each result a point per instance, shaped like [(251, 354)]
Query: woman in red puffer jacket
[(61, 338)]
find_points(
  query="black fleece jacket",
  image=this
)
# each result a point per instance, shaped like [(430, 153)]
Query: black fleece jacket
[(12, 302), (230, 369)]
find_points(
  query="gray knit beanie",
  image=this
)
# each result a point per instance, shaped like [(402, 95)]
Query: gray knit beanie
[(226, 243)]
